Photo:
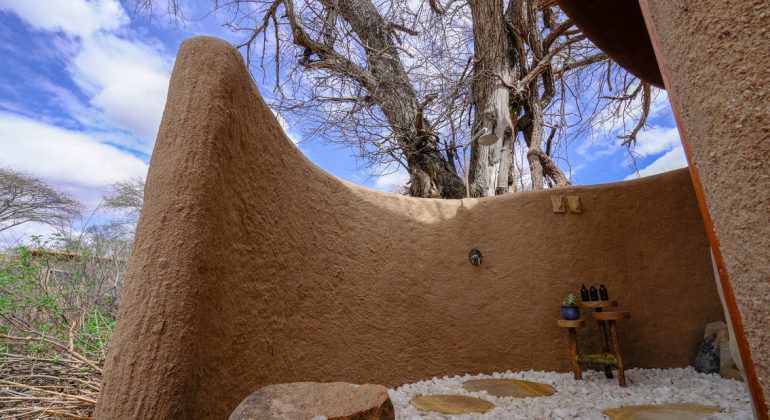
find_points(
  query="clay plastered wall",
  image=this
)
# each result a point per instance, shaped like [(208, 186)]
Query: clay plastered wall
[(252, 266), (717, 55)]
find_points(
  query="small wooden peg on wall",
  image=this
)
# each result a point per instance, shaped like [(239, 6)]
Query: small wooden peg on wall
[(573, 203), (557, 201)]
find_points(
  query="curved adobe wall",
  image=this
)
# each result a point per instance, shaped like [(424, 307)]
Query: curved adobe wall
[(253, 266), (715, 58)]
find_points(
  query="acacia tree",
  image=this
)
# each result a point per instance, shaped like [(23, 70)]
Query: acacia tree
[(24, 198), (413, 83), (127, 197)]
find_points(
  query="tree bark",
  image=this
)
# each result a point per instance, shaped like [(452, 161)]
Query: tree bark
[(533, 136), (490, 167), (430, 173)]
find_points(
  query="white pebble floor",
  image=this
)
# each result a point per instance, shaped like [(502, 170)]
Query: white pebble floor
[(585, 399)]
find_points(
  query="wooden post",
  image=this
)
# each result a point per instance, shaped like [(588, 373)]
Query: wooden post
[(574, 353), (616, 351)]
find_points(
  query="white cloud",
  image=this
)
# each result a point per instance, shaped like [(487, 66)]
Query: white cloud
[(63, 156), (73, 17), (673, 159), (656, 140), (18, 235), (66, 99), (392, 181), (123, 78), (591, 149), (296, 139), (127, 80)]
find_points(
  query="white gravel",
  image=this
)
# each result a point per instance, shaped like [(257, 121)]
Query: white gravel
[(585, 399)]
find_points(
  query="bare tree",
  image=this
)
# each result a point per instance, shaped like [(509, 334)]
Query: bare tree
[(24, 198), (127, 197), (412, 83), (535, 81)]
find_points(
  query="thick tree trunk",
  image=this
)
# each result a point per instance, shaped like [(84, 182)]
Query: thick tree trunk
[(431, 174), (522, 14), (490, 167), (506, 82), (533, 137)]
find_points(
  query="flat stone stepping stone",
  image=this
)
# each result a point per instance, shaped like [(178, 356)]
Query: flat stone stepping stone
[(509, 388), (452, 404), (662, 412)]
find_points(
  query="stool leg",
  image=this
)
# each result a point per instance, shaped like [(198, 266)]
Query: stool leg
[(616, 351), (605, 344), (574, 352)]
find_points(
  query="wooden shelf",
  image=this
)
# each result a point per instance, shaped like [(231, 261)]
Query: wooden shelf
[(598, 304), (611, 316), (570, 323)]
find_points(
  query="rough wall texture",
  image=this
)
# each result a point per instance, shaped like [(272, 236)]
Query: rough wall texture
[(717, 56), (252, 266)]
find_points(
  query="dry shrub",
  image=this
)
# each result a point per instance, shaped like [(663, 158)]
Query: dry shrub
[(57, 311)]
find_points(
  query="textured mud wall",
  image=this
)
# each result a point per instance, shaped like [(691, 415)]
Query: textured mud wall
[(252, 266), (717, 54)]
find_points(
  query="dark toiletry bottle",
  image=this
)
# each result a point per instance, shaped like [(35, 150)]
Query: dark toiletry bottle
[(584, 294), (594, 294), (603, 293)]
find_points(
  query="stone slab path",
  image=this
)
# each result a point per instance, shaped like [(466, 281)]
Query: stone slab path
[(452, 404), (502, 387), (663, 412), (586, 399)]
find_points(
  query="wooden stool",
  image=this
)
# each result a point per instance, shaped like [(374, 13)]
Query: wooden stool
[(610, 356), (571, 326), (599, 306), (610, 318)]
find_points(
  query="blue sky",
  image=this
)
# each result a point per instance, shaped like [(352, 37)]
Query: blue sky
[(83, 85)]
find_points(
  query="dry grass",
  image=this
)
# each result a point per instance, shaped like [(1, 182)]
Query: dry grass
[(65, 385)]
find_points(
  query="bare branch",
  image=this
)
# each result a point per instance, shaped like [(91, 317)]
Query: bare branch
[(629, 140), (126, 196), (397, 82), (24, 198), (550, 169)]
